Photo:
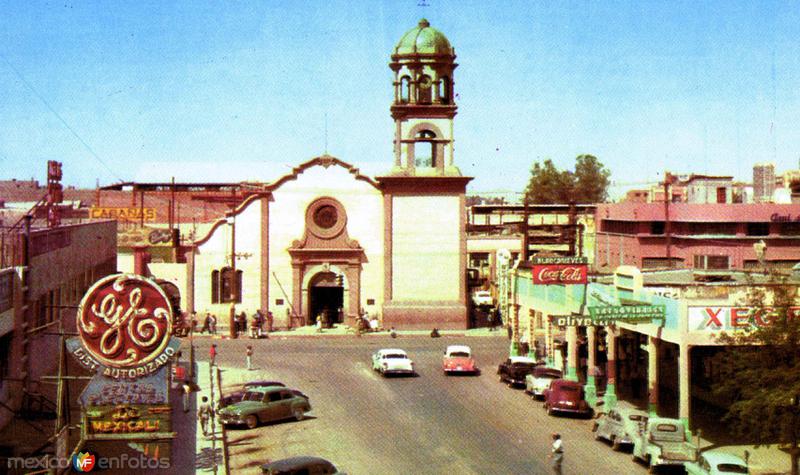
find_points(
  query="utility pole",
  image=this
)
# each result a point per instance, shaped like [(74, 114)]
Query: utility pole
[(232, 315), (667, 226), (525, 238)]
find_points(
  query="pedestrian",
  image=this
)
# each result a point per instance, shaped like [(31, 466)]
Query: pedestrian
[(557, 454), (490, 320), (392, 333), (523, 343), (249, 356), (205, 413), (435, 333), (213, 324), (319, 323), (206, 324), (270, 319), (212, 353), (255, 325)]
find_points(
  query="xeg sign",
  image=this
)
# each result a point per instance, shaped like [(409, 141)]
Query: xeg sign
[(730, 318)]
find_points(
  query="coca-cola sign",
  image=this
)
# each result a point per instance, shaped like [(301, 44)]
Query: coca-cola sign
[(559, 274), (124, 325)]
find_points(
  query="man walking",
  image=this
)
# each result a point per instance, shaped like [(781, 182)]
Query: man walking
[(204, 413), (249, 357), (557, 454)]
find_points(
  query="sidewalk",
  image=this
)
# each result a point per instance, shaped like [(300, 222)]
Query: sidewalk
[(208, 450), (344, 330)]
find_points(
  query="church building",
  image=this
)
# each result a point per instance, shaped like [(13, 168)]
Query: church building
[(326, 239)]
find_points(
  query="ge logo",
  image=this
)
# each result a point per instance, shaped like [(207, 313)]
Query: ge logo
[(159, 235), (124, 320)]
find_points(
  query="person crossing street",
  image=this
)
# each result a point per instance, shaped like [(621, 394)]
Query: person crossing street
[(557, 454)]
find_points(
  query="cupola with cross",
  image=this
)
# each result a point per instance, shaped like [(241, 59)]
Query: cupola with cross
[(423, 109)]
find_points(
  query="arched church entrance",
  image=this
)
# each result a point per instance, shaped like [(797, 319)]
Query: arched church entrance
[(326, 296)]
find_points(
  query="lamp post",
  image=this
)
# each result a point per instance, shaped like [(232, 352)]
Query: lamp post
[(231, 219)]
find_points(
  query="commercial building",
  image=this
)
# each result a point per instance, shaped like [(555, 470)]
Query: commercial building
[(46, 272), (697, 236)]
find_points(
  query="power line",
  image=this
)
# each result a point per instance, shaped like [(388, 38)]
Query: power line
[(61, 119)]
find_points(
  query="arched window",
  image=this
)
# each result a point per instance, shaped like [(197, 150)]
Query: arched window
[(222, 286), (424, 89), (425, 149), (405, 89), (444, 90)]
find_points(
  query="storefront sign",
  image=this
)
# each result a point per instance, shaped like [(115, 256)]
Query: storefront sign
[(123, 214), (731, 318), (545, 274), (783, 218), (627, 313), (571, 321), (561, 260), (133, 419), (144, 236), (124, 327), (104, 391)]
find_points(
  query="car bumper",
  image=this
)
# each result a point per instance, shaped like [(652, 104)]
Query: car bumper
[(398, 371), (571, 410), (231, 419), (460, 369)]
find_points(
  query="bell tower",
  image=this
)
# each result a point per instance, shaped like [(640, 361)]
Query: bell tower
[(424, 108), (424, 194)]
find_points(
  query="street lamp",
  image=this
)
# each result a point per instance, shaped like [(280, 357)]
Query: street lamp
[(231, 220)]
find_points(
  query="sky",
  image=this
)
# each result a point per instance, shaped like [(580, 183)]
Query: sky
[(235, 90)]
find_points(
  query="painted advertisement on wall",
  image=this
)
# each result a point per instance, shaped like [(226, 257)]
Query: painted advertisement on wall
[(712, 319)]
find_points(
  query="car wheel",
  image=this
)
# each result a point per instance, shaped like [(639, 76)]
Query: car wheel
[(614, 444), (597, 436), (500, 378), (299, 414), (549, 411), (251, 421)]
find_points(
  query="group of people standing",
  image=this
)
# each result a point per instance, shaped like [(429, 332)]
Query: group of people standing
[(256, 326)]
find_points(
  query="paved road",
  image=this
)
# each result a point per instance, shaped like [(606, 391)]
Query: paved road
[(430, 424)]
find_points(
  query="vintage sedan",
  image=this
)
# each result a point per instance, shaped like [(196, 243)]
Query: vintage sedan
[(265, 404), (392, 361), (515, 368), (537, 382), (620, 425), (303, 465), (716, 463), (566, 397), (458, 359)]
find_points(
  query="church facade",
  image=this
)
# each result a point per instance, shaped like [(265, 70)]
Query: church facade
[(326, 239)]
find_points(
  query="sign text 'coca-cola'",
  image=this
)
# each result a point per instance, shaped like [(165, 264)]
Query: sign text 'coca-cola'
[(559, 274)]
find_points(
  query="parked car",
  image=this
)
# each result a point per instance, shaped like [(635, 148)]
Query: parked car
[(304, 465), (458, 359), (663, 442), (230, 397), (537, 382), (481, 298), (265, 404), (566, 397), (515, 368), (716, 463), (392, 361), (619, 425)]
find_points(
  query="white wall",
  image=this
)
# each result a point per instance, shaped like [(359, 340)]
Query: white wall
[(426, 248)]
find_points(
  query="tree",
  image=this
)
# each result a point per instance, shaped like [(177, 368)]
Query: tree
[(760, 369), (591, 180), (548, 184), (587, 184)]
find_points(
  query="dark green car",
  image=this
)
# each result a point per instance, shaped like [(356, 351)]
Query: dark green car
[(265, 404)]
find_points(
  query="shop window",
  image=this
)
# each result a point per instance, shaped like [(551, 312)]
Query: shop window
[(222, 284), (758, 229), (712, 262)]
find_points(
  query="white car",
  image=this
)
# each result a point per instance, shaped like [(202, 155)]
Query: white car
[(716, 463), (482, 298), (392, 361), (537, 382)]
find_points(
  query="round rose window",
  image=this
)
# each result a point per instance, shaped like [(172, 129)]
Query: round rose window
[(325, 216)]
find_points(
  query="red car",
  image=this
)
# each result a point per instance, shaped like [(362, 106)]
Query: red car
[(458, 359), (566, 397)]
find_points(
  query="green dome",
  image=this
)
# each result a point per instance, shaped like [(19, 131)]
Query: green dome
[(423, 40)]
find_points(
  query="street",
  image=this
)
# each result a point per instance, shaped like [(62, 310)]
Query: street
[(431, 423)]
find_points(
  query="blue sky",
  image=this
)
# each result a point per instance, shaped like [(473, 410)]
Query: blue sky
[(147, 90)]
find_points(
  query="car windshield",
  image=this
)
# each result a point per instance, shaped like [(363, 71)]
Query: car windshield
[(547, 373), (482, 294), (636, 417), (394, 356), (666, 428), (252, 396), (527, 366), (731, 468), (459, 354)]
